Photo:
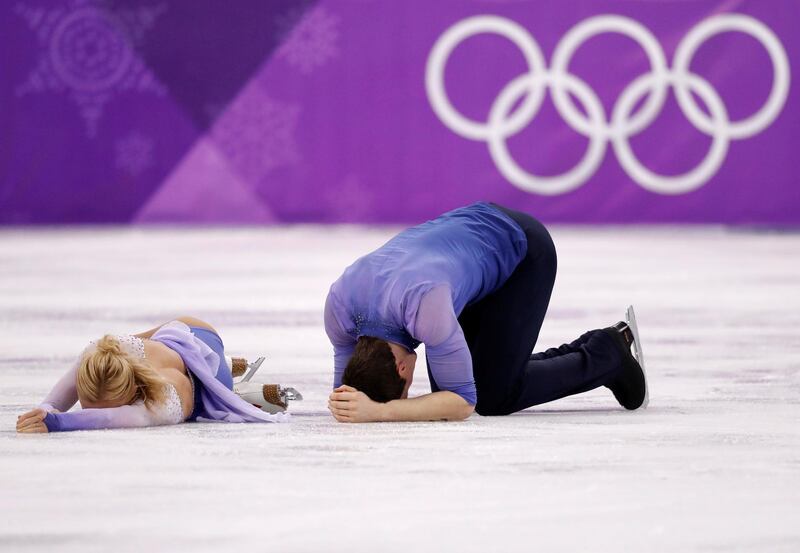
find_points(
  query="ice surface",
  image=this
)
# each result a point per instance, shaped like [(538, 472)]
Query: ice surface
[(713, 465)]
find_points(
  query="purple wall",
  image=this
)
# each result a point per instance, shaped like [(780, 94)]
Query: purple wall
[(367, 111)]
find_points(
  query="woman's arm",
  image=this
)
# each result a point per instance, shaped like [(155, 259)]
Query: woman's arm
[(64, 394), (126, 416), (61, 398), (191, 321)]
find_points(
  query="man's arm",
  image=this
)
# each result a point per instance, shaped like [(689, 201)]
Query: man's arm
[(435, 324), (446, 350), (349, 405), (343, 343)]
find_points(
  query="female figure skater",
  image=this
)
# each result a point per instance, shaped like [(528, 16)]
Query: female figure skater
[(473, 285), (170, 374)]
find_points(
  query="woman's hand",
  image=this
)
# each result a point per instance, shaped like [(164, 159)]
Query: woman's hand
[(32, 422), (349, 405)]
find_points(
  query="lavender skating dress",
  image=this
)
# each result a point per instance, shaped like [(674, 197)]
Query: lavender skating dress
[(214, 400)]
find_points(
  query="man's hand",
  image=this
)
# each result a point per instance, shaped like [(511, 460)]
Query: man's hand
[(32, 422), (349, 405)]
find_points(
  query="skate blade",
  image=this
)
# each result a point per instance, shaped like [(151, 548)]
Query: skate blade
[(292, 395), (630, 318), (253, 369)]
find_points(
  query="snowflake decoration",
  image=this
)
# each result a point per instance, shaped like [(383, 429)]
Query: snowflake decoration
[(311, 42), (257, 133), (88, 51), (134, 154)]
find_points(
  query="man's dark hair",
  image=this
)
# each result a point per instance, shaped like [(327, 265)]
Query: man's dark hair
[(372, 370)]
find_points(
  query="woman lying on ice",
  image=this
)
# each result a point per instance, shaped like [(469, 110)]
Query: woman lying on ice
[(173, 373)]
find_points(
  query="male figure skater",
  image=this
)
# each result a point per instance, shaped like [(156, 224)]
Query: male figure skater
[(473, 285)]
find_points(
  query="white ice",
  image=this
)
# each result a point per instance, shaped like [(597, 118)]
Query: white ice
[(712, 465)]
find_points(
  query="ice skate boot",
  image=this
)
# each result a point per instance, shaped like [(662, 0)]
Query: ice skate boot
[(239, 366), (630, 388), (271, 398)]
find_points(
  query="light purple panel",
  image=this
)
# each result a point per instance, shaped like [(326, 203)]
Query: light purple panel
[(191, 111)]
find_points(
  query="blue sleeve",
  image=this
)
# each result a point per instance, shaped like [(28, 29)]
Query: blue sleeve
[(343, 344), (436, 325)]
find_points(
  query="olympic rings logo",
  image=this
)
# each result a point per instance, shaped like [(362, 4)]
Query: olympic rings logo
[(530, 88)]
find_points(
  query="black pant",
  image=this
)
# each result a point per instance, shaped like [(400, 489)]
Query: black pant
[(501, 331)]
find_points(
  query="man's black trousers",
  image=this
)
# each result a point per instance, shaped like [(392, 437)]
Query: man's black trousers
[(502, 329)]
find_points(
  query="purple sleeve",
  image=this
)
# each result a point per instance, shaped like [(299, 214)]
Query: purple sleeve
[(436, 325), (343, 344), (127, 416)]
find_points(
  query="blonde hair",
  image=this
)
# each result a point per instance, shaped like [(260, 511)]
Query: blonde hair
[(109, 373)]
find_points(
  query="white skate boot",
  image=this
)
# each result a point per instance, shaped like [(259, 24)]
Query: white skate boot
[(271, 398)]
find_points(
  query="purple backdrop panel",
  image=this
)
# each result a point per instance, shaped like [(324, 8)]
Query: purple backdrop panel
[(364, 111)]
